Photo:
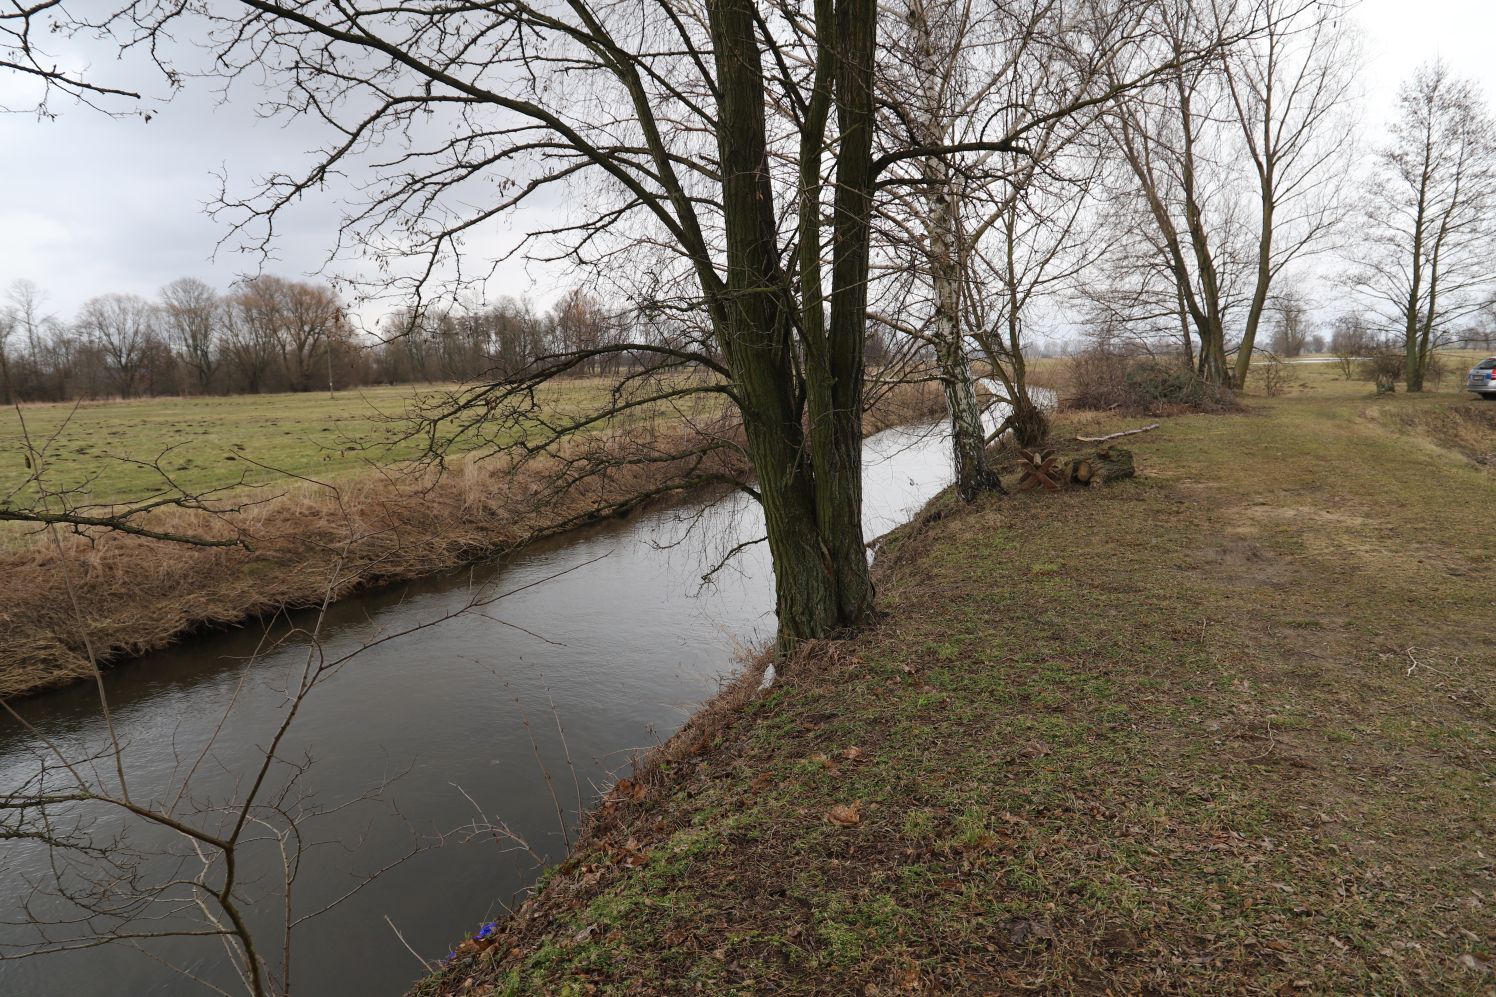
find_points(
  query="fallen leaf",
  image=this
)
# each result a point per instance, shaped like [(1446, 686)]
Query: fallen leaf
[(1477, 963), (1022, 932), (846, 815), (1036, 749), (853, 753)]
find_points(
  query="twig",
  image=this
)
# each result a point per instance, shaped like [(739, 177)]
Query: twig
[(424, 964)]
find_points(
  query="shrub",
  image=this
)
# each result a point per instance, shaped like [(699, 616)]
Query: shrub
[(1106, 380), (1384, 368)]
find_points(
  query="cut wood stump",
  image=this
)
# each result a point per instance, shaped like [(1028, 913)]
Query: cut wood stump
[(1096, 469)]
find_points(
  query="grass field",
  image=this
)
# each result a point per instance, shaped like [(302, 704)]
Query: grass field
[(109, 447), (205, 443), (1226, 728)]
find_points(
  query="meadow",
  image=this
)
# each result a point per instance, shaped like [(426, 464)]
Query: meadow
[(334, 511), (112, 450)]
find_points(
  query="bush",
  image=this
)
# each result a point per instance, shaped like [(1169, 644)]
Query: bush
[(1384, 368), (1106, 380)]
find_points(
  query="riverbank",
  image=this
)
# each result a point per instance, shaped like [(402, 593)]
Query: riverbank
[(311, 542), (1226, 728)]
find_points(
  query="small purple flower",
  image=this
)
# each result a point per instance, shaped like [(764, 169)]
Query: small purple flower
[(487, 931)]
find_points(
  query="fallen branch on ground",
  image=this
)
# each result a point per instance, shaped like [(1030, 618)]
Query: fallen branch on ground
[(1113, 436)]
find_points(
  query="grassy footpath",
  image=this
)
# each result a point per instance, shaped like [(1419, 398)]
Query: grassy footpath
[(1226, 728)]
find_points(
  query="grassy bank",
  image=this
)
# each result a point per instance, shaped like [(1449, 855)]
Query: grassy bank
[(1225, 728), (367, 519)]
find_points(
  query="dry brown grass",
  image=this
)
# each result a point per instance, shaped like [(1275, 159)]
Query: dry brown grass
[(1468, 427), (310, 541)]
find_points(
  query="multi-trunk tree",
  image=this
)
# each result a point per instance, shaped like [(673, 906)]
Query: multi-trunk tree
[(1431, 216), (1236, 167)]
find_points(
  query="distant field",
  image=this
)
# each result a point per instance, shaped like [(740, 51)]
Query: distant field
[(208, 443)]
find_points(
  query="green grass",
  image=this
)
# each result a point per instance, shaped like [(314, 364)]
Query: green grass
[(1226, 728), (109, 449)]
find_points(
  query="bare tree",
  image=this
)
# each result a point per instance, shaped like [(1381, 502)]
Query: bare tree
[(1292, 325), (122, 326), (193, 314), (1290, 85), (313, 320), (662, 130), (1269, 118), (24, 24), (9, 324), (1036, 240), (954, 71), (1350, 341), (580, 323), (1430, 256)]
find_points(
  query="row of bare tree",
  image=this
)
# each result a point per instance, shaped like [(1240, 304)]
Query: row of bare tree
[(268, 334), (274, 334)]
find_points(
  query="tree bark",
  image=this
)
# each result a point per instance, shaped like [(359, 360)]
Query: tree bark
[(810, 480), (974, 474)]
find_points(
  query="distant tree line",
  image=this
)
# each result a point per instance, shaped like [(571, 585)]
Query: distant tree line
[(272, 334)]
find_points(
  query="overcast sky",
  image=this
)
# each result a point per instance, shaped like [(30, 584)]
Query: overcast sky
[(93, 204)]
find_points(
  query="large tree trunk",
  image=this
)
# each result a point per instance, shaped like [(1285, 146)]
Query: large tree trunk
[(836, 444), (1260, 287), (1213, 355), (810, 484)]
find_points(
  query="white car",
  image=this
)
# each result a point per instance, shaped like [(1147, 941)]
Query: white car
[(1482, 378)]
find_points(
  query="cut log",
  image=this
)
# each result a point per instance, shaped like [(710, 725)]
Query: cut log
[(1113, 436), (1096, 469)]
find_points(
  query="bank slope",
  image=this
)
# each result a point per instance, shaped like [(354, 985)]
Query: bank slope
[(1227, 728)]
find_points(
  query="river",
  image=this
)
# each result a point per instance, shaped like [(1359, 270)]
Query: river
[(615, 629)]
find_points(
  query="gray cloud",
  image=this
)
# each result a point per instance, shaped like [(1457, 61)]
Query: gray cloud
[(95, 204)]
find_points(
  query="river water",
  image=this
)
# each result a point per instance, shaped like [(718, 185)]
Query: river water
[(455, 721)]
